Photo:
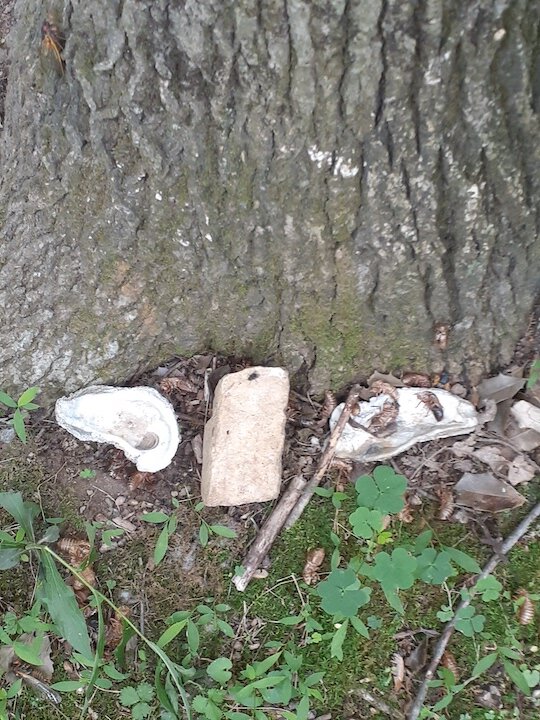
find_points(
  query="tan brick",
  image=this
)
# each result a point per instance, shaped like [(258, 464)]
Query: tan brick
[(243, 441)]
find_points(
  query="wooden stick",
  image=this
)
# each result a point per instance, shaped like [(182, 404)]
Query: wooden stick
[(440, 647), (269, 532), (326, 457), (378, 704)]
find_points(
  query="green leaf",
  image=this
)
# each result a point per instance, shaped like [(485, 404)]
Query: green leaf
[(154, 517), (63, 609), (433, 567), (67, 685), (145, 691), (489, 587), (468, 623), (219, 670), (141, 710), (113, 673), (223, 531), (52, 533), (87, 474), (510, 653), (291, 620), (359, 626), (463, 560), (341, 593), (203, 534), (225, 628), (383, 492), (18, 425), (28, 653), (6, 399), (422, 541), (302, 709), (162, 546), (517, 677), (484, 664), (23, 512), (171, 632), (263, 666), (9, 557), (443, 703), (129, 696), (323, 492), (395, 571), (27, 396), (365, 523), (193, 637), (336, 646)]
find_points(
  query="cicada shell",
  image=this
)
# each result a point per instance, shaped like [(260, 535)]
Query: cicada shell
[(412, 379), (441, 335), (314, 560), (141, 480), (446, 499), (431, 401), (76, 551), (381, 423), (398, 671), (449, 662), (525, 611), (177, 384), (53, 41), (380, 387), (328, 407)]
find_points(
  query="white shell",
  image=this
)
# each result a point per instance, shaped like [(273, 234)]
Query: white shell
[(137, 420), (415, 423)]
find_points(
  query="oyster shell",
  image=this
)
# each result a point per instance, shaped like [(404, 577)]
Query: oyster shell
[(137, 420)]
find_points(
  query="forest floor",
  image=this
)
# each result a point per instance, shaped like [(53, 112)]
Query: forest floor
[(92, 491)]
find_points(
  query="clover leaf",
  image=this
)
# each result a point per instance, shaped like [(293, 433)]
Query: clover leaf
[(365, 523), (342, 594), (383, 491), (434, 567), (490, 588), (468, 622)]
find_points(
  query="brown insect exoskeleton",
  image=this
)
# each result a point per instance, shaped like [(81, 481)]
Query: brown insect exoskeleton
[(52, 41), (441, 335), (431, 401), (379, 387), (384, 423)]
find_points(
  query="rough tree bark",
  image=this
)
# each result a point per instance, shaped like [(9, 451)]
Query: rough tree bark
[(311, 182)]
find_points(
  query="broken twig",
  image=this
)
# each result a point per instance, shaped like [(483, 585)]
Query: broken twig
[(440, 647), (326, 457), (378, 704), (269, 532)]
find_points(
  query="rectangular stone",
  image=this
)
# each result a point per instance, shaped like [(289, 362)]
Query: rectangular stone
[(243, 440)]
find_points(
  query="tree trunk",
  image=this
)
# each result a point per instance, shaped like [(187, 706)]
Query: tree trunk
[(313, 183)]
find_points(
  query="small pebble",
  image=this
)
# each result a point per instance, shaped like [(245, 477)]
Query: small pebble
[(120, 500), (174, 493), (82, 509)]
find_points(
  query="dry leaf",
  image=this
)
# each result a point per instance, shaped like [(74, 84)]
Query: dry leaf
[(314, 560), (491, 456), (483, 491), (390, 379), (520, 470), (398, 671), (525, 611), (126, 525), (499, 388), (526, 415), (416, 660)]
